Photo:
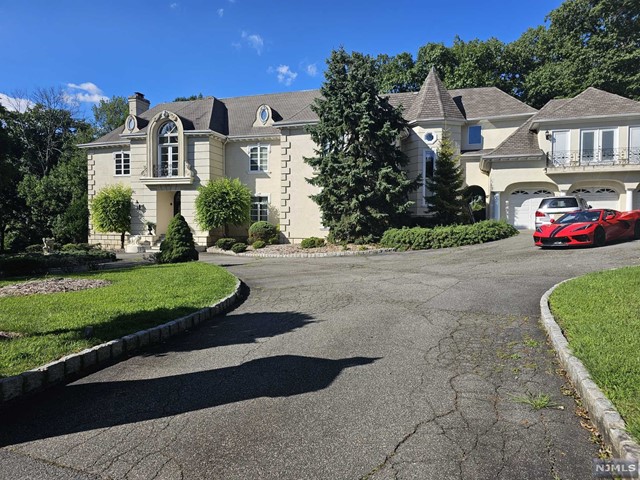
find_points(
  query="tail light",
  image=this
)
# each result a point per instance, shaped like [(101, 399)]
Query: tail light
[(540, 214)]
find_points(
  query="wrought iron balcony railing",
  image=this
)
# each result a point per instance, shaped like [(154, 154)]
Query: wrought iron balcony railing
[(594, 158)]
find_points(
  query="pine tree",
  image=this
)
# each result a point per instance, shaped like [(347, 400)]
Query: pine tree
[(446, 198), (178, 245), (358, 166)]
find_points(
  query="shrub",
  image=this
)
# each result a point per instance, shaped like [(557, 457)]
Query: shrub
[(239, 247), (178, 246), (226, 243), (34, 249), (312, 242), (264, 231), (223, 202), (111, 210), (34, 263), (442, 237), (82, 247), (258, 244)]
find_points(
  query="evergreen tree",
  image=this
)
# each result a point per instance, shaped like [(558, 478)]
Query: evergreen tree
[(446, 198), (358, 166), (178, 245)]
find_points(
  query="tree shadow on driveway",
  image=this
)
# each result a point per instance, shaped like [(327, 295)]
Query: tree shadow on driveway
[(88, 406)]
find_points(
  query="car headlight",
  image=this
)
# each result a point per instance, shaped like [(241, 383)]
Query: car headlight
[(539, 230)]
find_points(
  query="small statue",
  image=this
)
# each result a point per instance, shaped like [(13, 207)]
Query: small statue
[(47, 245)]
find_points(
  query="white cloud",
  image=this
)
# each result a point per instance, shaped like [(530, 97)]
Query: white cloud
[(254, 40), (312, 70), (83, 93), (174, 5), (15, 104), (221, 12), (285, 75)]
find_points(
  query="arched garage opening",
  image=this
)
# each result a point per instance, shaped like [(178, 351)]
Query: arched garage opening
[(522, 201), (601, 195)]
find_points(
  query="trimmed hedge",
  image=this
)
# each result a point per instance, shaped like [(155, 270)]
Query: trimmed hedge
[(258, 244), (418, 238), (34, 263)]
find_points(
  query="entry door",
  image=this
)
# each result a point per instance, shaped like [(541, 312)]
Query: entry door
[(177, 203), (560, 147)]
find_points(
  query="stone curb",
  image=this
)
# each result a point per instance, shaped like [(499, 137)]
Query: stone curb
[(348, 253), (602, 412), (87, 361)]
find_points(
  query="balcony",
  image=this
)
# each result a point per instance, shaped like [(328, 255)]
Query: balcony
[(609, 159), (164, 176)]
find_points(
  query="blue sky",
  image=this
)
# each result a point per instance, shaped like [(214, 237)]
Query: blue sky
[(224, 48)]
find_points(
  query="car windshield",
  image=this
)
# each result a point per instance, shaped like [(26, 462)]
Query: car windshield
[(579, 217)]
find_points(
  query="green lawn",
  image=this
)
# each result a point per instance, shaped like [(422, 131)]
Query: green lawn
[(600, 316), (52, 325)]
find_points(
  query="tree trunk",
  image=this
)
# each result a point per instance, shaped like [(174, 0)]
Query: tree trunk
[(122, 240)]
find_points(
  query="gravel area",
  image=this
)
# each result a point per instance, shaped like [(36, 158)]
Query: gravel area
[(293, 249), (52, 285)]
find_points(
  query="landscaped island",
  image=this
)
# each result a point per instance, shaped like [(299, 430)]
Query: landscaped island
[(39, 328)]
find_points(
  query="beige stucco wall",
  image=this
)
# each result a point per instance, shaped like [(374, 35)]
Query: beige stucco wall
[(299, 215), (494, 132)]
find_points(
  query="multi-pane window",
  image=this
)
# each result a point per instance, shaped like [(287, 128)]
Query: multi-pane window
[(428, 169), (168, 150), (259, 209), (123, 163), (258, 158)]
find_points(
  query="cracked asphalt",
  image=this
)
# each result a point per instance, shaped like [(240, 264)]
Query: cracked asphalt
[(397, 366)]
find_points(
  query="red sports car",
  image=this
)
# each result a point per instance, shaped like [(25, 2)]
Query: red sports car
[(590, 227)]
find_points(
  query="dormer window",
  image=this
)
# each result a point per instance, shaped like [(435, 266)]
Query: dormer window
[(168, 150), (264, 114)]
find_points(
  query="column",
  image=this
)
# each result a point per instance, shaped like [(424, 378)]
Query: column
[(630, 193), (495, 205)]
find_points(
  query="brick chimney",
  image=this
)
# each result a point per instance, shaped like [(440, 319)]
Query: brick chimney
[(138, 104)]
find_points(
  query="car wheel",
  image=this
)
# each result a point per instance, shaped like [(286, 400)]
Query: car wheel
[(636, 231), (599, 237)]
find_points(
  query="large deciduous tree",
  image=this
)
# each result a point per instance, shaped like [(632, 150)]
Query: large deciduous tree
[(358, 165), (223, 202), (111, 210), (446, 197), (109, 114)]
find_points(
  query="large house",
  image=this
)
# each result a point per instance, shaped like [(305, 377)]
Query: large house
[(511, 154)]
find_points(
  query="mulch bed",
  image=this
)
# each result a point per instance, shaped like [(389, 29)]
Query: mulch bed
[(51, 285)]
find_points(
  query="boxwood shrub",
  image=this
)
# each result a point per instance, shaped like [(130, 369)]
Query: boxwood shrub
[(258, 244), (312, 242), (226, 243), (264, 231), (239, 247), (418, 238)]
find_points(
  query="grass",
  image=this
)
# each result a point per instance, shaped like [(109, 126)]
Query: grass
[(52, 325), (600, 316), (535, 401)]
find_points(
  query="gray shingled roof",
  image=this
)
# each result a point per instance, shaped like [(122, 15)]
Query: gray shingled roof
[(486, 102), (284, 106), (521, 142), (433, 102), (591, 103)]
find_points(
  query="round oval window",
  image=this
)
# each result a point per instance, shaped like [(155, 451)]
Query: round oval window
[(429, 137), (264, 114)]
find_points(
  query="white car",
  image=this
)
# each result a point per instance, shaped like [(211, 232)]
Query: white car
[(552, 208)]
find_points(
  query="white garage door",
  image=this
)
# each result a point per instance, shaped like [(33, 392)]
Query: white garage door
[(599, 197), (522, 206)]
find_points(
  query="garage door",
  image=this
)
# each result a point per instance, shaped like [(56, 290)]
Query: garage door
[(599, 197), (522, 206)]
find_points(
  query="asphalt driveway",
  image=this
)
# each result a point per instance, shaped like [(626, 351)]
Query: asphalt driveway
[(405, 366)]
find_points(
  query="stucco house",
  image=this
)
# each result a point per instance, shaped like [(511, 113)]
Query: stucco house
[(511, 154)]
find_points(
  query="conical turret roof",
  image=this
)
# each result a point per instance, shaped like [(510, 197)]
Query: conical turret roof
[(433, 102)]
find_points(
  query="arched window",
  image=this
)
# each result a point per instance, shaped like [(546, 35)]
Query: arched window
[(168, 150)]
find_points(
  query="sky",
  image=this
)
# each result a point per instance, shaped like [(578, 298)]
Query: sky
[(224, 48)]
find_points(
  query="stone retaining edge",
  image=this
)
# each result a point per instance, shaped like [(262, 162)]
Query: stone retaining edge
[(87, 361), (602, 412)]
